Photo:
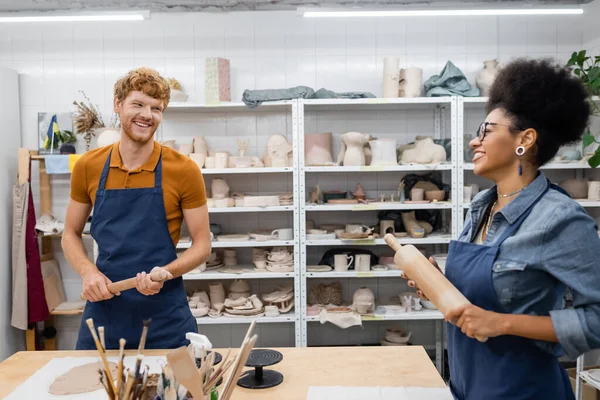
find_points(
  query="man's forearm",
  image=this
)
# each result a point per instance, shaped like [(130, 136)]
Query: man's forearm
[(190, 259), (76, 254)]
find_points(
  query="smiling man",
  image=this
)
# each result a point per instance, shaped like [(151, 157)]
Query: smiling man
[(140, 192)]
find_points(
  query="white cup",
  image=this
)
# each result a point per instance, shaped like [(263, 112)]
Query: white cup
[(283, 234), (594, 190), (467, 193), (363, 262), (342, 262)]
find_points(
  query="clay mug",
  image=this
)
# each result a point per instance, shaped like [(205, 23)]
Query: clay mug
[(467, 193), (283, 234), (594, 190), (363, 262), (416, 194), (260, 264), (342, 262), (209, 162)]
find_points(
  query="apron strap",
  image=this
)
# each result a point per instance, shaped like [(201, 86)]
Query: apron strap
[(157, 174), (104, 175)]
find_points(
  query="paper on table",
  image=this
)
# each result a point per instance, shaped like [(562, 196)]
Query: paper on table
[(377, 393), (36, 387)]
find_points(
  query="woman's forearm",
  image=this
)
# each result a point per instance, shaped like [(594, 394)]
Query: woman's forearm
[(530, 326)]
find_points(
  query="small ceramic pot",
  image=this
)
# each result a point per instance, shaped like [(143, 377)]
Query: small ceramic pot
[(209, 163), (416, 194), (260, 264), (437, 195), (362, 307), (230, 261), (221, 160), (221, 203), (594, 190), (271, 311)]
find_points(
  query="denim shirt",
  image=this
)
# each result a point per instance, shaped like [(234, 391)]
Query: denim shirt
[(555, 249)]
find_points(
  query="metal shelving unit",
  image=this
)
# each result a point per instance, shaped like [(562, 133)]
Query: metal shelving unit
[(290, 317)]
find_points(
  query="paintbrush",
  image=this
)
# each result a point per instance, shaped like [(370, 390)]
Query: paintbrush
[(215, 377), (120, 367), (130, 380), (144, 334), (90, 324), (101, 334)]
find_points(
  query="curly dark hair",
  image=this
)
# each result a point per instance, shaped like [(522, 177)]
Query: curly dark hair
[(545, 96)]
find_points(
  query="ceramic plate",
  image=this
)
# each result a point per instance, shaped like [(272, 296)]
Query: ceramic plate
[(318, 268), (379, 268)]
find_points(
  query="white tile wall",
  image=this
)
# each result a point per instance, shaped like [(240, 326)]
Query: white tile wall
[(266, 50)]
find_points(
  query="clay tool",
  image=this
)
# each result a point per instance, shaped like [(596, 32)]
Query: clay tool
[(130, 380), (144, 335), (214, 378), (228, 385), (101, 334), (110, 383), (120, 366), (430, 280), (185, 371), (238, 367)]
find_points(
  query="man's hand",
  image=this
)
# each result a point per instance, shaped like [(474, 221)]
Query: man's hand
[(147, 286), (95, 286)]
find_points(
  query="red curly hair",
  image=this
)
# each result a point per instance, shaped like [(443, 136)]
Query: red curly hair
[(145, 80)]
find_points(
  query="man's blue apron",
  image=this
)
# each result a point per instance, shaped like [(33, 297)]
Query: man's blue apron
[(504, 367), (130, 227)]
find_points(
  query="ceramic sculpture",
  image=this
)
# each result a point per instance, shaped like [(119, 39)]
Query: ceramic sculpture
[(219, 188), (383, 152), (425, 151), (217, 80), (391, 84), (486, 77), (364, 295), (317, 149), (353, 153), (278, 152), (411, 81), (359, 192)]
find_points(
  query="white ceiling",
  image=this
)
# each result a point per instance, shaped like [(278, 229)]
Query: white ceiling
[(231, 5)]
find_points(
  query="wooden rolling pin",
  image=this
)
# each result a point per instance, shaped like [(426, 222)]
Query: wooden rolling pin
[(160, 275), (430, 280)]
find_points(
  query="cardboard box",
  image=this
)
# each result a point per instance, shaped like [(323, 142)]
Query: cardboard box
[(588, 392)]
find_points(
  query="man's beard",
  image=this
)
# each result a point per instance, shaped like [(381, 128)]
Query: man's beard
[(138, 139)]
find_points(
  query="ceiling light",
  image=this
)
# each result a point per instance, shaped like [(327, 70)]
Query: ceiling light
[(75, 17), (438, 12)]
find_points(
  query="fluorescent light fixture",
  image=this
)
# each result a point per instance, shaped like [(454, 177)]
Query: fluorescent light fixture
[(438, 12), (75, 17)]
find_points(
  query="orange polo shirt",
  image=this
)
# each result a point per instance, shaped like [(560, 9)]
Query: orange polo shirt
[(182, 182)]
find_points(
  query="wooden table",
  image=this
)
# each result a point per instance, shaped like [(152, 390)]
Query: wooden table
[(301, 367)]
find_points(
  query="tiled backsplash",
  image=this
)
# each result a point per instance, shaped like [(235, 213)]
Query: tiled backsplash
[(266, 49)]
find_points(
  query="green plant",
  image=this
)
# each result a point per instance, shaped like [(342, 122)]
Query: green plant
[(587, 68), (60, 137)]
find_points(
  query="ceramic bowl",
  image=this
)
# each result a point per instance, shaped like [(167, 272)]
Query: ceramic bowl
[(438, 195)]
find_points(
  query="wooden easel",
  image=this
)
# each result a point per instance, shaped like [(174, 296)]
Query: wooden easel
[(24, 157)]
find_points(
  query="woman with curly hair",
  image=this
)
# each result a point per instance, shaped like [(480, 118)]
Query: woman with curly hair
[(525, 243)]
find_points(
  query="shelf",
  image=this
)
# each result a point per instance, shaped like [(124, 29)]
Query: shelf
[(67, 312), (475, 100), (590, 381), (226, 107), (378, 206), (549, 166), (215, 274), (387, 168), (584, 203), (229, 171), (394, 273), (431, 239), (410, 316), (248, 243), (282, 318), (222, 210), (374, 103)]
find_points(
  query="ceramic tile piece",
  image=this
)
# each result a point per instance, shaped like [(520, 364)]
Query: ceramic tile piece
[(217, 81)]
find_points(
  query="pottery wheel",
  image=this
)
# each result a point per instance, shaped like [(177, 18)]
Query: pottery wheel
[(260, 378)]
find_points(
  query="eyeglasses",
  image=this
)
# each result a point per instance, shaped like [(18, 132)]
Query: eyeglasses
[(483, 131)]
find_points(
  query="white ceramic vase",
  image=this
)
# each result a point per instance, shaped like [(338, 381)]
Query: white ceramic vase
[(219, 188), (410, 82), (217, 294), (391, 77), (354, 154), (486, 76), (383, 152), (364, 295)]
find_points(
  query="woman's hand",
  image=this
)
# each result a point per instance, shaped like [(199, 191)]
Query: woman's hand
[(414, 285), (475, 321)]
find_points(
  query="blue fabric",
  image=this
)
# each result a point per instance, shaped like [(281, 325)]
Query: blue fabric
[(130, 227), (556, 249), (57, 164), (450, 82), (503, 367), (254, 98)]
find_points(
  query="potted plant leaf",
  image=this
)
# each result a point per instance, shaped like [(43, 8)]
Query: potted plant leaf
[(587, 68)]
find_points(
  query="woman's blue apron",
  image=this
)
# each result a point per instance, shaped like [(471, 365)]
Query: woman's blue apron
[(130, 227), (504, 367)]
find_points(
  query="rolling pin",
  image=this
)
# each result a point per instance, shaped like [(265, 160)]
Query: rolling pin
[(160, 275), (430, 280)]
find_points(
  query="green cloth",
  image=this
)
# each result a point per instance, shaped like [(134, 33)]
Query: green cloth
[(450, 82)]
